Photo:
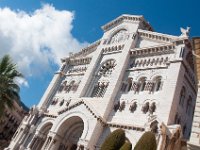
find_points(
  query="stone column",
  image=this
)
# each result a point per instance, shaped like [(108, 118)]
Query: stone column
[(47, 142), (55, 143), (32, 142), (161, 142), (52, 142), (35, 143), (162, 137)]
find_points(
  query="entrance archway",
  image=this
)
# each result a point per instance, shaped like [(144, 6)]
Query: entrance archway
[(71, 131)]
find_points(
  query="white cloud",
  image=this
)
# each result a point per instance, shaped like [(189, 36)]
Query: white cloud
[(38, 39), (22, 82)]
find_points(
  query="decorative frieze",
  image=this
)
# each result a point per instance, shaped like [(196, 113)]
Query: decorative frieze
[(50, 115), (176, 40), (112, 49), (148, 106), (123, 126), (155, 50), (81, 69), (143, 63), (142, 85), (156, 36), (80, 61)]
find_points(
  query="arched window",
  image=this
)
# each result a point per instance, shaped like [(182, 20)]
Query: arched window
[(62, 86), (145, 107), (133, 107), (107, 67), (75, 86), (189, 105), (152, 108), (157, 84), (120, 36), (142, 84), (182, 96), (69, 87), (137, 63), (129, 84), (99, 90)]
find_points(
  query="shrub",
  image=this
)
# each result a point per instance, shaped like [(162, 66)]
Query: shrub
[(114, 140), (146, 142), (126, 146)]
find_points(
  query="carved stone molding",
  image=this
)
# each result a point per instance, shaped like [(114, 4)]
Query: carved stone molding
[(80, 61), (155, 50), (112, 49)]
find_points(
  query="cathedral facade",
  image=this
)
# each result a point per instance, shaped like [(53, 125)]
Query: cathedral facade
[(132, 78)]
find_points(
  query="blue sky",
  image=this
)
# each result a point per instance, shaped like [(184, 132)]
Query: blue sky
[(37, 33)]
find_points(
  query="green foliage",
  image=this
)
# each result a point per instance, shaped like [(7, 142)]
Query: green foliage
[(114, 141), (126, 146), (146, 142), (9, 90)]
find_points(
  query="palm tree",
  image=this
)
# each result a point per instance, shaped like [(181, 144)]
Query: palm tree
[(9, 90)]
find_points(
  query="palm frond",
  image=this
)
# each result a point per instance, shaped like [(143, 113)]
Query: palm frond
[(9, 90)]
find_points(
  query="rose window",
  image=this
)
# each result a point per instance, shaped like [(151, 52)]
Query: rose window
[(107, 68)]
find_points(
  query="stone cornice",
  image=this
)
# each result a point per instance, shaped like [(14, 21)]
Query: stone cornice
[(176, 40), (125, 17), (85, 51), (154, 50), (50, 115), (157, 36), (125, 126)]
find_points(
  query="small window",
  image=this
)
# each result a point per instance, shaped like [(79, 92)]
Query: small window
[(133, 107), (142, 84), (99, 90), (129, 84), (157, 84), (182, 96), (189, 105), (145, 107)]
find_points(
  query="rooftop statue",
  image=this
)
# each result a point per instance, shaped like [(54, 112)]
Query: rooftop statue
[(185, 32)]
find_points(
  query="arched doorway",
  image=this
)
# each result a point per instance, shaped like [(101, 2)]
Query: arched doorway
[(70, 131)]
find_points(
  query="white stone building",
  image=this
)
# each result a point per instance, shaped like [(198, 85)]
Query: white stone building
[(132, 78)]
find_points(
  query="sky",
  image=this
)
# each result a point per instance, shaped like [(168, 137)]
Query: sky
[(36, 34)]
